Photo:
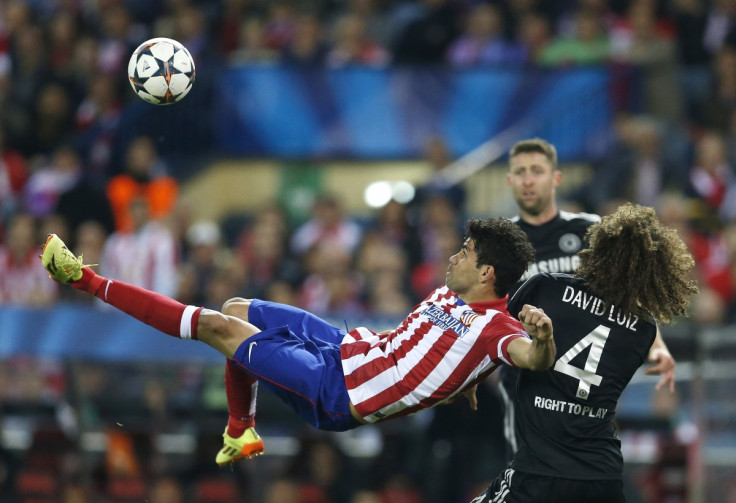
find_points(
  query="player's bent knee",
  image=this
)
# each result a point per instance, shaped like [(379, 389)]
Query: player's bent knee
[(211, 323), (222, 332), (238, 307)]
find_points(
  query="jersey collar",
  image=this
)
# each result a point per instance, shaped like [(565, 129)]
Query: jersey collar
[(496, 305), (524, 222)]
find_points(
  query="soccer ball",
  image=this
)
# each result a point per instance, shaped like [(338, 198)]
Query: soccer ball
[(161, 71)]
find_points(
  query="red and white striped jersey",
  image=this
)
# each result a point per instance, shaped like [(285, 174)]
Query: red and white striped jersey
[(147, 258), (23, 282), (443, 347)]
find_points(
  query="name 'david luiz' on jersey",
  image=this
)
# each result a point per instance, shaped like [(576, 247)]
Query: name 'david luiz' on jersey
[(598, 307)]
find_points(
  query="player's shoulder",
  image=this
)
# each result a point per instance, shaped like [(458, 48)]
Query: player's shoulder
[(538, 286), (588, 218), (549, 278)]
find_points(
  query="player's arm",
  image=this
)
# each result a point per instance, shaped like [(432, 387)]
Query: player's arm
[(662, 363), (539, 353)]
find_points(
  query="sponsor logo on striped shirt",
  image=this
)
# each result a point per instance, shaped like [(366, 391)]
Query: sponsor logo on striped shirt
[(445, 320)]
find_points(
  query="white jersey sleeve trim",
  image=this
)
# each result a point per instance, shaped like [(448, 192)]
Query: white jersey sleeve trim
[(591, 217), (185, 327)]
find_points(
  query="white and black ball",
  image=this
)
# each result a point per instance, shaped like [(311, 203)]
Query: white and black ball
[(161, 71)]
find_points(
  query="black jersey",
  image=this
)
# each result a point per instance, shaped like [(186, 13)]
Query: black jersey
[(557, 242), (565, 415)]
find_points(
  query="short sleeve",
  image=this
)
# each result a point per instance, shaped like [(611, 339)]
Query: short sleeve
[(501, 331)]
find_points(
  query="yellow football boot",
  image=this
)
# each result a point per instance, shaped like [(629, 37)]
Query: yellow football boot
[(248, 445)]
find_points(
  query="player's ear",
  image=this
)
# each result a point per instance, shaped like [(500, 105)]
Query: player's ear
[(487, 273), (557, 177)]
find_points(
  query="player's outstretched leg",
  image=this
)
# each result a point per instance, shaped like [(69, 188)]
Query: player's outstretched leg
[(172, 318), (160, 312), (240, 439)]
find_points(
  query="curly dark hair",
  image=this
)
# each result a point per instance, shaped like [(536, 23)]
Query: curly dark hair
[(501, 243), (638, 264)]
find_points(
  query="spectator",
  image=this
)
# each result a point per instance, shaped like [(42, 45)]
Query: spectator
[(146, 255), (437, 241), (400, 489), (690, 18), (46, 185), (29, 74), (232, 22), (118, 39), (281, 24), (641, 165), (13, 177), (20, 283), (715, 111), (438, 219), (331, 286), (97, 122), (190, 28), (166, 489), (425, 39), (353, 46), (306, 47), (392, 225), (262, 249), (328, 227), (204, 261), (640, 40), (535, 33), (252, 45), (63, 32), (383, 265), (483, 41), (83, 67), (437, 156), (144, 177), (377, 18), (322, 470), (83, 201), (283, 490), (588, 45), (282, 292), (711, 177), (719, 24), (53, 121), (365, 496)]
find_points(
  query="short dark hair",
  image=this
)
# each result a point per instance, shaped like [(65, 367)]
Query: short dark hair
[(537, 145), (501, 243)]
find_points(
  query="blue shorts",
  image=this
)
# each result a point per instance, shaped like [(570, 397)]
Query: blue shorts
[(297, 356)]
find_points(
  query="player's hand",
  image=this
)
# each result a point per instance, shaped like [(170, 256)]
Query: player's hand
[(470, 396), (662, 364), (536, 323)]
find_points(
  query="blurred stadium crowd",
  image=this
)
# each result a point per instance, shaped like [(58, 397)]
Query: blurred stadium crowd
[(66, 168)]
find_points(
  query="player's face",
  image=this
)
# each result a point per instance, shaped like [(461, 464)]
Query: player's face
[(533, 181), (462, 272)]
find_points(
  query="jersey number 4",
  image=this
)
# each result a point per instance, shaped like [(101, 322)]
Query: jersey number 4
[(586, 376)]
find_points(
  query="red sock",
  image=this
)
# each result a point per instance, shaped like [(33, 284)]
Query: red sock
[(156, 310), (241, 389)]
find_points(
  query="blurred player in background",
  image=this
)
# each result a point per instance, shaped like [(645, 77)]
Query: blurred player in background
[(337, 380), (557, 236), (605, 322)]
